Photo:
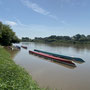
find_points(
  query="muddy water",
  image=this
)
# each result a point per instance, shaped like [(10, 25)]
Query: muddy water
[(54, 75)]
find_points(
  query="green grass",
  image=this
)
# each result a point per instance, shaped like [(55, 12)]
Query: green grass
[(14, 77)]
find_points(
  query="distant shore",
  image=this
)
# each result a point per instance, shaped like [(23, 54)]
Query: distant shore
[(53, 39)]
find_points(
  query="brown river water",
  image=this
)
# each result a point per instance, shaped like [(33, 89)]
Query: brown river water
[(55, 75)]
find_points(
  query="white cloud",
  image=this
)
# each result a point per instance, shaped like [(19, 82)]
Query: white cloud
[(11, 23), (35, 7)]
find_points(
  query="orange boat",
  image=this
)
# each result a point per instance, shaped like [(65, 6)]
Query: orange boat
[(63, 61)]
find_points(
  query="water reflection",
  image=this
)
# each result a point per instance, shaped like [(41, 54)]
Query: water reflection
[(64, 65), (13, 53), (77, 47), (53, 74), (25, 43)]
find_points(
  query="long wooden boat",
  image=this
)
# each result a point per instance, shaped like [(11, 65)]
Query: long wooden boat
[(62, 56), (24, 47), (63, 61)]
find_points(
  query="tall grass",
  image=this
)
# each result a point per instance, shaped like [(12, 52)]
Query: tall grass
[(14, 77)]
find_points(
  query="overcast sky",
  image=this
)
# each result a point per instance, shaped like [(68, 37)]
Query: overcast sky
[(41, 18)]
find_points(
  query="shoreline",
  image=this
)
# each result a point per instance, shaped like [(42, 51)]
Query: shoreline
[(13, 76)]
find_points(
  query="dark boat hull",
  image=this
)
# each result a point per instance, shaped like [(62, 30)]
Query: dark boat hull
[(24, 47), (62, 56), (18, 47)]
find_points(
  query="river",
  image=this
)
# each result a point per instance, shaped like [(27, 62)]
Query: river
[(53, 75)]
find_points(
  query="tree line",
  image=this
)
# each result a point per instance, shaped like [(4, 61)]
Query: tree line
[(7, 36), (76, 39)]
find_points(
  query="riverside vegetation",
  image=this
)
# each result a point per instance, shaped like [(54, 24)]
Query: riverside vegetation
[(7, 36), (53, 39), (12, 76)]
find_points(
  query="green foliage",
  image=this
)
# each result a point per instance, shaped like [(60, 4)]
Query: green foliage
[(7, 36), (12, 76), (88, 37), (15, 39), (26, 39), (1, 29), (77, 39)]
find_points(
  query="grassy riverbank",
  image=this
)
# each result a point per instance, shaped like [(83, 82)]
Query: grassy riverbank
[(12, 76)]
